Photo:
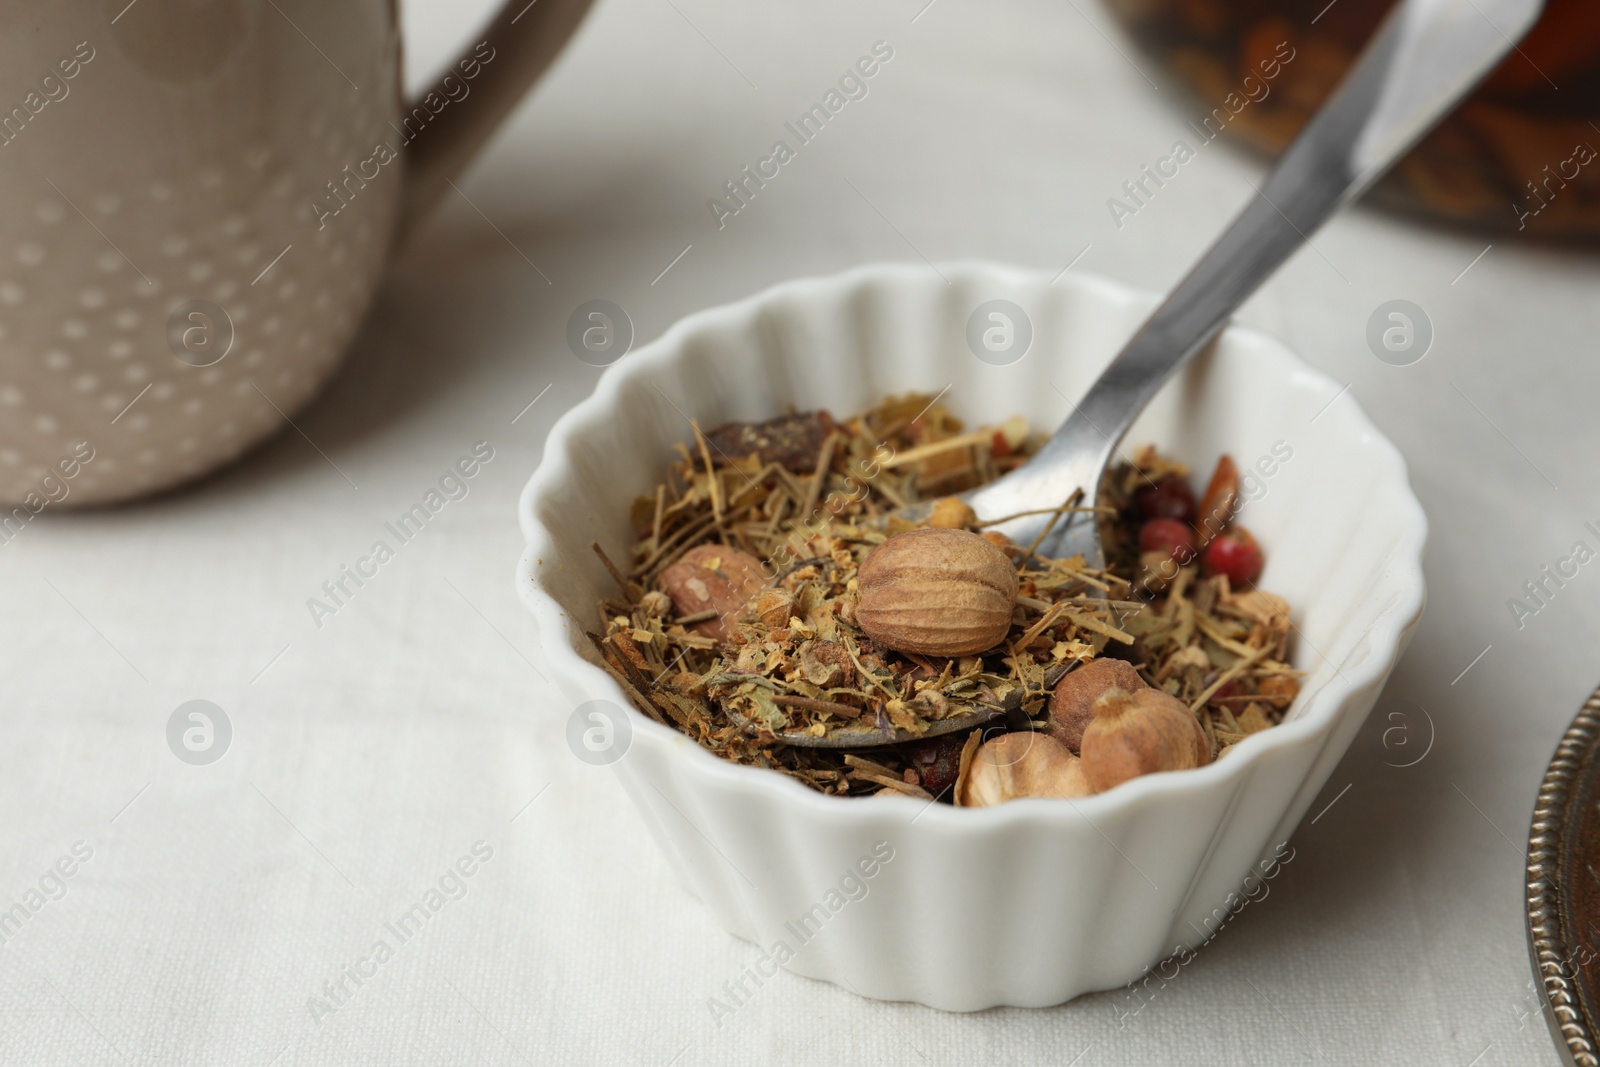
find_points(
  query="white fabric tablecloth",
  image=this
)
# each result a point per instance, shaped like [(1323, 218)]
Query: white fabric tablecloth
[(220, 906)]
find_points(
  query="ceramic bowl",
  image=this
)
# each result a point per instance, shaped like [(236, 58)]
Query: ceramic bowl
[(1033, 902)]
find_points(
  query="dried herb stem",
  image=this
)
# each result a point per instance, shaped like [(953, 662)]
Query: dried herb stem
[(1229, 675), (1042, 511), (713, 483), (1089, 622), (630, 590), (1042, 625), (824, 462), (1055, 517), (936, 448)]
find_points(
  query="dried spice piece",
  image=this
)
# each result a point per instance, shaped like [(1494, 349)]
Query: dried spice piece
[(791, 441), (745, 608), (936, 762), (1221, 502)]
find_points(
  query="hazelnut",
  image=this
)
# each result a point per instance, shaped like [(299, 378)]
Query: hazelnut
[(1072, 702), (937, 592), (716, 578), (1140, 732), (1023, 764), (952, 513)]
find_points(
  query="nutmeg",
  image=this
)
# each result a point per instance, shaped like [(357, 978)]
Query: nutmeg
[(1014, 552), (716, 578), (1023, 764), (1072, 702), (936, 592), (1140, 732)]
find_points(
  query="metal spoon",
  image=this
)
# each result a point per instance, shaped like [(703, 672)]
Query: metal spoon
[(1424, 58)]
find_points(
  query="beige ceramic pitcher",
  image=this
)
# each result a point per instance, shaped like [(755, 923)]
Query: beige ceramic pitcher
[(197, 199)]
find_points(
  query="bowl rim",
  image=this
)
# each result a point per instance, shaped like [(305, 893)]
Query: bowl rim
[(1386, 634), (1552, 850)]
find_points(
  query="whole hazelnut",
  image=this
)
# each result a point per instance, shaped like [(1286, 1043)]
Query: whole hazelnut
[(1072, 702), (1022, 764), (952, 513), (1140, 732), (716, 578), (937, 592)]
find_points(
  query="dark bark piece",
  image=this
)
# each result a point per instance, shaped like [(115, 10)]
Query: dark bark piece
[(792, 441)]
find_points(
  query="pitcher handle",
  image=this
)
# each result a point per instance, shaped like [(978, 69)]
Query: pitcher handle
[(521, 42)]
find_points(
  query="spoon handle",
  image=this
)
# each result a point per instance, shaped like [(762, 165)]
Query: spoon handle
[(1426, 55)]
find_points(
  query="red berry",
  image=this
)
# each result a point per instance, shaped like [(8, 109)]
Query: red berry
[(1169, 498), (1236, 554), (1170, 537)]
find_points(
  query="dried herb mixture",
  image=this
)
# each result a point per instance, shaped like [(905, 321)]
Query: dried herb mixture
[(736, 620)]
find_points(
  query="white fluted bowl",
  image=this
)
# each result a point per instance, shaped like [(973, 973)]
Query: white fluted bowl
[(1032, 902)]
